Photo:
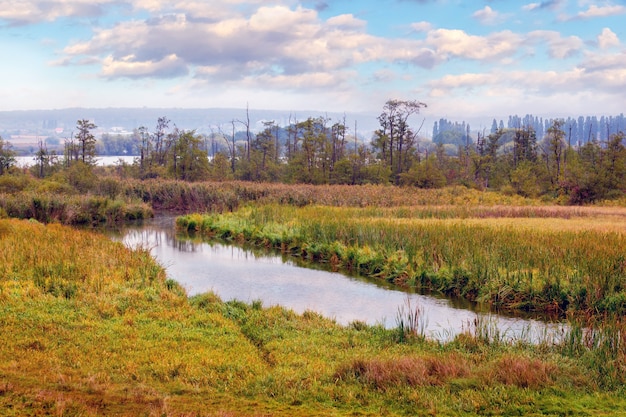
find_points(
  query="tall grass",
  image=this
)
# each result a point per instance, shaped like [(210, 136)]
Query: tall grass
[(410, 321), (553, 265), (72, 209), (228, 196), (126, 341)]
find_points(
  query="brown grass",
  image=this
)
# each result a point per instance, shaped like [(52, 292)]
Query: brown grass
[(407, 370), (523, 372)]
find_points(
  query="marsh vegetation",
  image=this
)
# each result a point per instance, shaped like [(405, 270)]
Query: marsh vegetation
[(90, 327)]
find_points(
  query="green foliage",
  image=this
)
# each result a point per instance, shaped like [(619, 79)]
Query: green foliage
[(187, 160), (525, 180), (81, 177), (425, 174), (315, 152), (14, 183), (7, 156), (53, 206), (595, 173), (86, 142)]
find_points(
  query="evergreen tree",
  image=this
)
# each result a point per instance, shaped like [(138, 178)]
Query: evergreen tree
[(86, 142)]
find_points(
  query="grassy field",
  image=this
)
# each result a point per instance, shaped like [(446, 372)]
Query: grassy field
[(552, 259), (91, 328)]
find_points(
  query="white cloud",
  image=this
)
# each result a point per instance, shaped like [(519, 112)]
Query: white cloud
[(308, 81), (277, 47), (422, 26), (597, 63), (594, 75), (273, 41), (347, 22), (130, 67), (488, 16), (546, 4), (601, 11), (558, 46), (33, 11), (531, 6), (457, 43), (607, 39), (595, 11)]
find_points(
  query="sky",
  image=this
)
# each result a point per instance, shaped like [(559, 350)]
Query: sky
[(462, 58)]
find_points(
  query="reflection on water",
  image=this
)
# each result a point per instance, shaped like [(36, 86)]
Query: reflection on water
[(236, 273)]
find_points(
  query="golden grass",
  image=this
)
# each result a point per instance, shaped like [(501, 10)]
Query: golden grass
[(91, 328)]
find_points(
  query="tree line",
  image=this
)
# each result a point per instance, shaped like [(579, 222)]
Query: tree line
[(514, 159), (578, 131)]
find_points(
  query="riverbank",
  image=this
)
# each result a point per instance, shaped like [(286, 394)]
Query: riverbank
[(554, 260), (93, 328)]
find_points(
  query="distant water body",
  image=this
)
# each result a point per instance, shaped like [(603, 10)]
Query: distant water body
[(27, 161)]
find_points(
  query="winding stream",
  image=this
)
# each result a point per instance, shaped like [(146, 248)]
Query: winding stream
[(232, 272)]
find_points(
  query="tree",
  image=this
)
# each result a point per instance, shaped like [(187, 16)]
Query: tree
[(310, 156), (524, 145), (494, 126), (426, 174), (614, 163), (86, 141), (594, 172), (486, 158), (44, 159), (246, 123), (395, 136), (219, 168), (264, 151), (144, 149), (7, 156), (554, 155), (582, 178), (188, 159), (70, 152), (524, 179), (159, 140)]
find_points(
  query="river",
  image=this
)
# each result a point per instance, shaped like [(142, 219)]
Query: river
[(233, 272)]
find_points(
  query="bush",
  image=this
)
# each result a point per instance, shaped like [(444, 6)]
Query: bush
[(13, 183)]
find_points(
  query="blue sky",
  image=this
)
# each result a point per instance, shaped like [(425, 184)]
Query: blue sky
[(463, 59)]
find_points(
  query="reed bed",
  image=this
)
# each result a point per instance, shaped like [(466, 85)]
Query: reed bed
[(230, 195), (73, 209), (517, 263)]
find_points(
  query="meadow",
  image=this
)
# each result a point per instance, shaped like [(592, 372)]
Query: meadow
[(92, 328), (556, 260)]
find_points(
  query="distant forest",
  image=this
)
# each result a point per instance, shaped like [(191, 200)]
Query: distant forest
[(578, 131)]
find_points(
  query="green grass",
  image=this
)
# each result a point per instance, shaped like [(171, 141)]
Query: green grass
[(125, 341), (73, 209)]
